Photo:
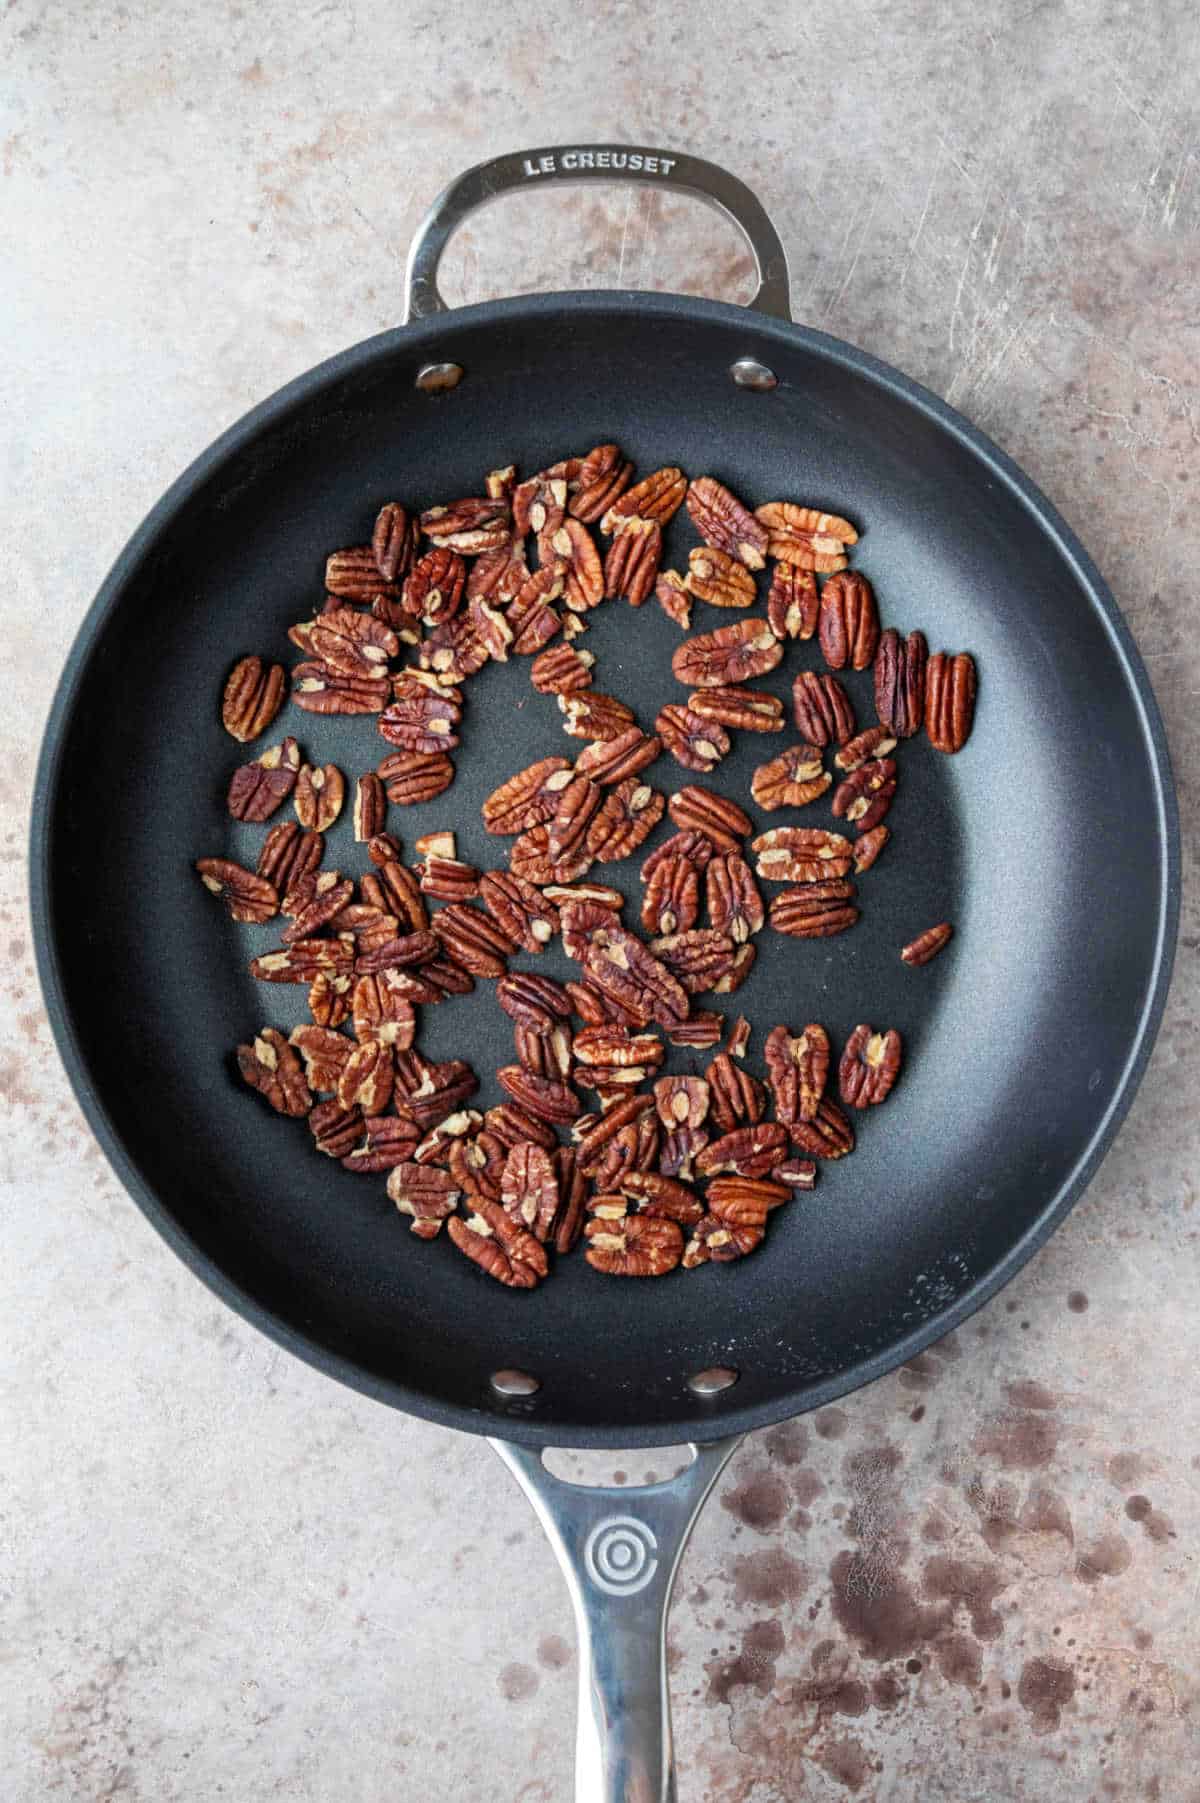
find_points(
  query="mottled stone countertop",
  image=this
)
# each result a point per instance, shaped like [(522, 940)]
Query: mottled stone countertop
[(222, 1576)]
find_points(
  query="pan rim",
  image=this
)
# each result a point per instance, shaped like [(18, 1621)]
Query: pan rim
[(725, 1418)]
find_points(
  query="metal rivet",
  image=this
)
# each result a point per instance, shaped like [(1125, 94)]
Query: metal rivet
[(713, 1381), (515, 1383), (436, 378), (747, 372)]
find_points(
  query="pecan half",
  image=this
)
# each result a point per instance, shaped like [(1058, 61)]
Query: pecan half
[(499, 485), (258, 788), (499, 1247), (530, 858), (546, 1098), (949, 700), (801, 854), (248, 897), (524, 913), (477, 1164), (805, 536), (382, 1010), (528, 798), (410, 949), (329, 998), (269, 1065), (609, 761), (367, 1077), (849, 625), (869, 1066), (620, 965), (449, 879), (696, 846), (868, 847), (354, 644), (748, 710), (699, 958), (425, 1194), (508, 1123), (370, 807), (469, 526), (582, 917), (529, 1189), (661, 1197), (796, 1173), (696, 743), (325, 1054), (628, 815), (681, 1102), (577, 804), (730, 654), (792, 780), (288, 854), (672, 596), (726, 523), (671, 903), (533, 617), (866, 794), (537, 1003), (253, 696), (873, 742), (797, 1068), (828, 1135), (415, 776), (793, 604), (746, 1151), (679, 1149), (498, 576), (719, 579), (928, 944), (454, 649), (572, 1199), (604, 474), (655, 498), (696, 809), (712, 1238), (432, 1091), (735, 1097), (738, 1042), (741, 964), (473, 939), (393, 542), (380, 1144), (336, 1130), (614, 1049), (702, 1029), (593, 1134), (562, 670), (354, 575), (399, 891), (301, 962), (745, 1201), (638, 1246), (319, 690), (900, 666), (591, 715), (420, 718), (540, 503), (313, 902), (821, 708), (320, 792), (595, 1008), (579, 562), (817, 911), (544, 1054), (731, 895)]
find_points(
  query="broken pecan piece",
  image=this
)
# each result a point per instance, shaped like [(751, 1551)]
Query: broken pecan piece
[(672, 596), (745, 1201), (731, 894), (301, 962), (949, 700), (426, 1194), (679, 1149), (671, 903), (508, 1123), (498, 576), (694, 742), (454, 649), (544, 1054), (661, 1197), (529, 1189), (592, 1134), (821, 708), (319, 690), (740, 967), (900, 666), (796, 1173), (748, 710), (816, 911), (253, 695), (540, 503), (367, 1077), (726, 523), (791, 780), (731, 654), (638, 1246), (399, 891), (258, 788), (696, 809), (320, 792), (477, 1164), (805, 536), (533, 617), (415, 776), (655, 498), (702, 1029), (928, 944), (868, 847), (528, 798), (498, 1246), (797, 1067), (719, 579), (801, 854), (248, 897), (869, 1066), (449, 879), (269, 1065), (828, 1135), (793, 604)]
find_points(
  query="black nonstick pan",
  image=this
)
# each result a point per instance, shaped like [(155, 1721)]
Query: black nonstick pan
[(1050, 842)]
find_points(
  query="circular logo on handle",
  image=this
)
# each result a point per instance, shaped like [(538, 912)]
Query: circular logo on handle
[(620, 1555)]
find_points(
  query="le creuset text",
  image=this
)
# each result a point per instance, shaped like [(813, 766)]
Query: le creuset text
[(565, 160)]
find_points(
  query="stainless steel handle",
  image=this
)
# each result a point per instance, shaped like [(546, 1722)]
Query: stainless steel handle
[(593, 162), (619, 1550)]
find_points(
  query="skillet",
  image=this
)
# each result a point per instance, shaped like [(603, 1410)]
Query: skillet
[(1051, 842)]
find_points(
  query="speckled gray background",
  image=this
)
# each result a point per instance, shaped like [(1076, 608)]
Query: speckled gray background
[(223, 1577)]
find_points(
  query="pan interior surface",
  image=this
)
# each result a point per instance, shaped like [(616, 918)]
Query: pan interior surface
[(1047, 842)]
